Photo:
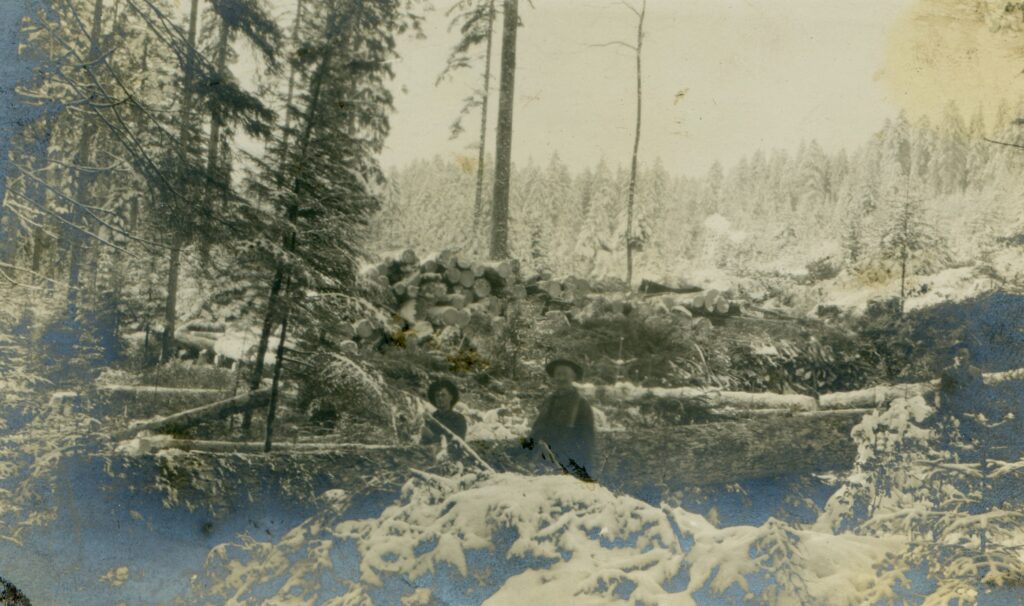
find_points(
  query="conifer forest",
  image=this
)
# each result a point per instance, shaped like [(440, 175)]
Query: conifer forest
[(463, 302)]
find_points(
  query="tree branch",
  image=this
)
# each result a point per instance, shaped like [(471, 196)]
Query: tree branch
[(614, 43), (1007, 144)]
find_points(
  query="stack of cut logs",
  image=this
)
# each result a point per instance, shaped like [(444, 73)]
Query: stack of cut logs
[(441, 292), (712, 304), (437, 297)]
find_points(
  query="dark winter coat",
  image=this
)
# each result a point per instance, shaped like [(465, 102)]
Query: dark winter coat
[(962, 397), (450, 419), (566, 424), (962, 390)]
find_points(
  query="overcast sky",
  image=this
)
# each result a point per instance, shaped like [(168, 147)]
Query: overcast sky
[(758, 73)]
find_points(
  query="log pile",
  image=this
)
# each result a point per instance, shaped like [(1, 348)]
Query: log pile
[(442, 292), (713, 304)]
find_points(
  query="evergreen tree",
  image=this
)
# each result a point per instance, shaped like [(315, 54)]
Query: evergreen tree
[(324, 176), (908, 236)]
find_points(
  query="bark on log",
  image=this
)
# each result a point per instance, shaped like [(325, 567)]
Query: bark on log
[(727, 452), (202, 414), (200, 326), (872, 397), (153, 444), (711, 453), (627, 392), (197, 342), (650, 287)]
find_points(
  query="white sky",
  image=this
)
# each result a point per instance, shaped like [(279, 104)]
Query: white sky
[(760, 73)]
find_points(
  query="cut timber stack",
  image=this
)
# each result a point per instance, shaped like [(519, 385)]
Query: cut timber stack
[(440, 292), (713, 304), (449, 291)]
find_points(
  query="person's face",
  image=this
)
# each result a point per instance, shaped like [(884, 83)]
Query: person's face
[(563, 376), (962, 358), (443, 399)]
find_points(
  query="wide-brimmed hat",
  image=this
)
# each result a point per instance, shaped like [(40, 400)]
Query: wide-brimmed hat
[(553, 364), (440, 384)]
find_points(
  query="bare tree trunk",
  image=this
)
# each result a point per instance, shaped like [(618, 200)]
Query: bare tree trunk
[(256, 378), (275, 384), (636, 147), (478, 204), (213, 146), (503, 157), (903, 281), (174, 265), (82, 160)]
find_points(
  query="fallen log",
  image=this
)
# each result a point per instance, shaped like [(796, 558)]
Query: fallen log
[(869, 398), (203, 414), (195, 341), (443, 316), (453, 275), (713, 398), (364, 329), (201, 326), (152, 444), (650, 287), (708, 453), (481, 288), (408, 257)]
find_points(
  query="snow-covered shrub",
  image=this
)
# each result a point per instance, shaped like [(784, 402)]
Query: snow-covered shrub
[(889, 443), (511, 539), (963, 529)]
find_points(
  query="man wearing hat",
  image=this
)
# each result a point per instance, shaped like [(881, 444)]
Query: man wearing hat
[(443, 394), (963, 397), (566, 421)]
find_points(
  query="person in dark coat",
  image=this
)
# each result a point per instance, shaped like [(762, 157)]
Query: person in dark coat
[(443, 394), (962, 396), (565, 422)]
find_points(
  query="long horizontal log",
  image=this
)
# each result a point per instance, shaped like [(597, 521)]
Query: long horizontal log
[(151, 444), (871, 397), (627, 392), (708, 453), (195, 416), (148, 391)]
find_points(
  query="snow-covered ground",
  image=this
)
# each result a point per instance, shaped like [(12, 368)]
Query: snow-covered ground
[(512, 539)]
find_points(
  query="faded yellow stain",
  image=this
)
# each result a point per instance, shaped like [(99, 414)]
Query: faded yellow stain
[(466, 163), (970, 52)]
